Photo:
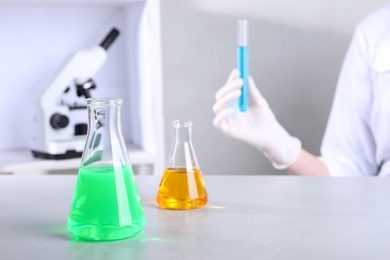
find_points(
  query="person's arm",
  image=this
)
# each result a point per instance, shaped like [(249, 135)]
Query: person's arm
[(258, 127), (307, 164)]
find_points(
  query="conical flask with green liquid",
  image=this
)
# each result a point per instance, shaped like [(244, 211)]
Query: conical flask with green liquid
[(106, 203)]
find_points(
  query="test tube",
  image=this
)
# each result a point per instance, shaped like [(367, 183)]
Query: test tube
[(243, 62)]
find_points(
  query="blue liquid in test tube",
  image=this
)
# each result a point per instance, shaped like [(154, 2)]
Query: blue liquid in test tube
[(243, 62)]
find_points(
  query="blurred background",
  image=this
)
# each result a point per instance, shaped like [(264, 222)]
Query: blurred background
[(296, 52), (170, 59)]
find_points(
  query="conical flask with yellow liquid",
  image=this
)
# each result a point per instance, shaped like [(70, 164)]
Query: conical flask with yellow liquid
[(182, 185), (106, 203)]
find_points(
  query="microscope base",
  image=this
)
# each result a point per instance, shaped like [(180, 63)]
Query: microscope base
[(68, 155)]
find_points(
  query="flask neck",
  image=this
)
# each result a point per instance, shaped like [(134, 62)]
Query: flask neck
[(104, 116), (181, 131), (181, 134), (182, 154), (105, 144)]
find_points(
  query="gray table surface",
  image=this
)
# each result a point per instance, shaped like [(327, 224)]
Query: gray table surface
[(247, 217)]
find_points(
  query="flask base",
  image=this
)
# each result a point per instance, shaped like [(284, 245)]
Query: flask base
[(103, 232), (176, 204)]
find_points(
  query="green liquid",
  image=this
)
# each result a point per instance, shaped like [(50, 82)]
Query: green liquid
[(106, 204)]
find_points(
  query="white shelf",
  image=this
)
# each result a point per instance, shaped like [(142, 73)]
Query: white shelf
[(51, 30), (22, 161), (68, 2)]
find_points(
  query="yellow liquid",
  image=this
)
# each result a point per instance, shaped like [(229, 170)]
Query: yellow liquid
[(180, 189)]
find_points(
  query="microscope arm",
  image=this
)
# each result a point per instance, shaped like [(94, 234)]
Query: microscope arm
[(81, 67)]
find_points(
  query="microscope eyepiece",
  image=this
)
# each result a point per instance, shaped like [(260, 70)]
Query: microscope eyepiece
[(110, 38)]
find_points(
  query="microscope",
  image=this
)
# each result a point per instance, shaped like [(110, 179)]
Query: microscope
[(57, 133)]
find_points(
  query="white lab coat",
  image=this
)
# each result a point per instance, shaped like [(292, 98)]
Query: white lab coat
[(357, 137)]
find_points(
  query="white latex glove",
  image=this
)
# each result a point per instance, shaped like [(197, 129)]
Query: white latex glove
[(257, 126)]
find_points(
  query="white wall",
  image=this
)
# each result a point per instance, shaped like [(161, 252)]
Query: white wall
[(296, 51)]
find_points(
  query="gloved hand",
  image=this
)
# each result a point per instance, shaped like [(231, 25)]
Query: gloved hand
[(257, 126)]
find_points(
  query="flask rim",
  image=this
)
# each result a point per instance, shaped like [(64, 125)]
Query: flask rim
[(104, 101), (181, 123)]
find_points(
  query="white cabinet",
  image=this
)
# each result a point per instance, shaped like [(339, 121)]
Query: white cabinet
[(38, 36)]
